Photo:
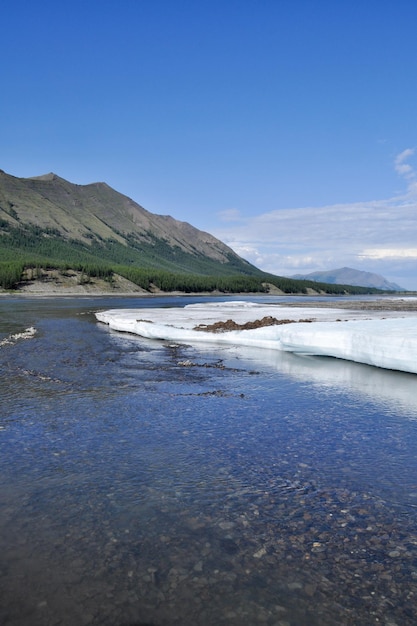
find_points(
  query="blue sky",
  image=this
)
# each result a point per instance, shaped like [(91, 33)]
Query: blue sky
[(285, 128)]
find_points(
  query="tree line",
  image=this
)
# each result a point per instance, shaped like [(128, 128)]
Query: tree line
[(11, 275), (150, 262)]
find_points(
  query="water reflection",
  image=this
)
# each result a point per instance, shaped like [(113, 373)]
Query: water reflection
[(394, 389)]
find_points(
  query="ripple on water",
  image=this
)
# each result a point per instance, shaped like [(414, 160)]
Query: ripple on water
[(140, 490)]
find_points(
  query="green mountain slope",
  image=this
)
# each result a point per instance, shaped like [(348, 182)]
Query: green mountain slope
[(49, 223), (50, 217)]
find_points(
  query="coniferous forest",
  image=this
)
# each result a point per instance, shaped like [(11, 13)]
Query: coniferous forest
[(49, 224), (31, 249)]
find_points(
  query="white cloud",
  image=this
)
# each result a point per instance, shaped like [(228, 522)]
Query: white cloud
[(229, 215), (377, 236), (406, 170), (402, 156), (391, 253)]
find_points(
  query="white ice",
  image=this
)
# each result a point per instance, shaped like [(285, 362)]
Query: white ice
[(387, 340)]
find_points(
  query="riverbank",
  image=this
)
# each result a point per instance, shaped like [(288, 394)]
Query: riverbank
[(72, 283), (47, 290), (383, 303), (53, 283), (56, 284)]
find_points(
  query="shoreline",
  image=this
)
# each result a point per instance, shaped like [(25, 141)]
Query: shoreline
[(54, 284), (57, 286), (394, 302)]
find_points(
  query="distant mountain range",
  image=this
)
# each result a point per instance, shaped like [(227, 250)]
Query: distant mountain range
[(349, 276)]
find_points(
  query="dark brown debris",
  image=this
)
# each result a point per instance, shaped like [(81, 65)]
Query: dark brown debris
[(220, 327)]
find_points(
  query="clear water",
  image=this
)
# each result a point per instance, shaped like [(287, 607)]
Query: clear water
[(150, 483)]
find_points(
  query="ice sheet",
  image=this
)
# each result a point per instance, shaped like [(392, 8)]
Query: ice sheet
[(361, 336)]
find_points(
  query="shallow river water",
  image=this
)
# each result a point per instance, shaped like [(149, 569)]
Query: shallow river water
[(147, 483)]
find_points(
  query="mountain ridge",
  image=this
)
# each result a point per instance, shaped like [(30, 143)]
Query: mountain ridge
[(350, 276), (48, 223), (97, 212)]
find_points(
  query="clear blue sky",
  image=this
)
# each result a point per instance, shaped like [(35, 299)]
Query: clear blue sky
[(287, 128)]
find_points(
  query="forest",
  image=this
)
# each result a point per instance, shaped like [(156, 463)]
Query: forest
[(148, 264), (11, 277)]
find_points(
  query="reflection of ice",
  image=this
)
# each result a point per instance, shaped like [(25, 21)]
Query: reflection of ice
[(387, 343), (394, 389)]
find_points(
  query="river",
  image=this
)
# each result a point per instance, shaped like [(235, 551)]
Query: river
[(148, 483)]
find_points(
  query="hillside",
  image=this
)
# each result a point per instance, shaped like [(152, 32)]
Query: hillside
[(56, 232), (349, 276), (42, 215)]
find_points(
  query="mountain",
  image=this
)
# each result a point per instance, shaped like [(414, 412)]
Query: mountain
[(52, 230), (48, 216), (349, 276)]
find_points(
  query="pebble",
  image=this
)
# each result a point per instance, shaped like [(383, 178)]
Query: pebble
[(394, 554), (260, 553)]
